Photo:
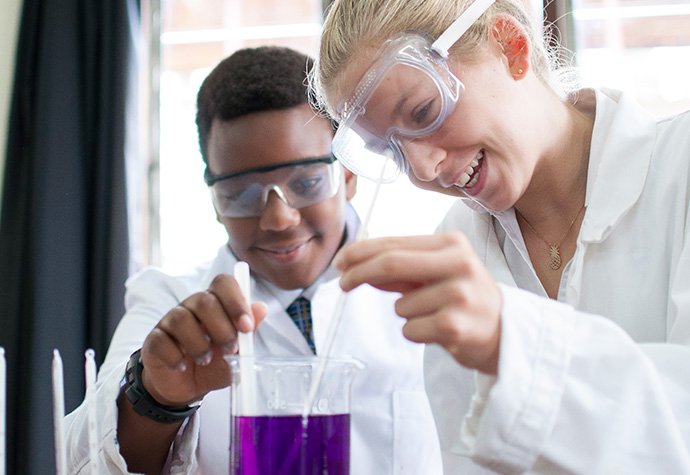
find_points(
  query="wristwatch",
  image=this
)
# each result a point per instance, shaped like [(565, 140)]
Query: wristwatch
[(144, 404)]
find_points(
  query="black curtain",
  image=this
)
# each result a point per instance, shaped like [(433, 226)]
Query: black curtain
[(63, 229)]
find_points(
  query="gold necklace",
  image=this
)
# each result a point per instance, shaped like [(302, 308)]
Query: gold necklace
[(554, 248)]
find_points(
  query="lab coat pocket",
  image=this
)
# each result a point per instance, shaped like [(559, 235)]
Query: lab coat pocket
[(415, 443)]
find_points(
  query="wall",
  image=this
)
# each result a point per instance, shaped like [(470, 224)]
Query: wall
[(9, 25)]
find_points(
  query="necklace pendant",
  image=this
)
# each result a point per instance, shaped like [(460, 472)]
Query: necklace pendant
[(555, 256)]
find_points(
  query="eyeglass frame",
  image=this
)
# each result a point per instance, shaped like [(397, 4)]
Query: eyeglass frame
[(328, 160), (397, 51), (438, 49), (211, 179)]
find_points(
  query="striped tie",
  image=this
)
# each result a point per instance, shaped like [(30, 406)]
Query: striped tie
[(300, 312)]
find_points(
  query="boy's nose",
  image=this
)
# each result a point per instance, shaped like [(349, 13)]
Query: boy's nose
[(278, 214)]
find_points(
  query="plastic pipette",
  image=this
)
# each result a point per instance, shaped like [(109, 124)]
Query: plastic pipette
[(59, 414), (92, 412), (246, 345), (339, 310)]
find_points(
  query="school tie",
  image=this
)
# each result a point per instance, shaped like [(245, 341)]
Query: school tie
[(300, 312)]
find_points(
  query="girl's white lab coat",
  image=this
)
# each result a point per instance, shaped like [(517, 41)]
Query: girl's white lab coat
[(579, 393), (392, 429)]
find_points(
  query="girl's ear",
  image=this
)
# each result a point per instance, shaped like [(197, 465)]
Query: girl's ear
[(514, 43)]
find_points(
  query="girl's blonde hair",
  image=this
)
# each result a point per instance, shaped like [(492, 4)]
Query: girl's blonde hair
[(352, 26)]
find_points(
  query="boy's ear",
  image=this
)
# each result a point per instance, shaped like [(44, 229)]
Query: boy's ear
[(350, 184), (514, 43)]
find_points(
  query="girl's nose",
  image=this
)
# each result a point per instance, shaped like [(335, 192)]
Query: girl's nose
[(278, 215), (423, 159)]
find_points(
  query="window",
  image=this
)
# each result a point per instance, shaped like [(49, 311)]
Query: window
[(639, 46), (194, 37)]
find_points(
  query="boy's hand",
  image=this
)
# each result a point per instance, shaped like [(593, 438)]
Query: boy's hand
[(183, 354)]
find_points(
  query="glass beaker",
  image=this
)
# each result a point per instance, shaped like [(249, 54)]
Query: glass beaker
[(268, 433)]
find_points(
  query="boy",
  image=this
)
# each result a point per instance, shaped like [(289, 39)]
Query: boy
[(284, 203)]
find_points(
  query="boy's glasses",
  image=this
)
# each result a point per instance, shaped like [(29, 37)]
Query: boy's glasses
[(299, 184)]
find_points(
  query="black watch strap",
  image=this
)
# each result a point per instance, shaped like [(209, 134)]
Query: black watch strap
[(143, 402)]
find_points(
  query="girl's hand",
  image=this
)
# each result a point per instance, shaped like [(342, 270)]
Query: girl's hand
[(448, 296)]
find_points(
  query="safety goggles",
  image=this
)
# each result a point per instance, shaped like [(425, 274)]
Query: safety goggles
[(298, 183), (406, 94)]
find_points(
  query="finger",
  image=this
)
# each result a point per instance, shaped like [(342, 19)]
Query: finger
[(474, 343), (430, 298), (216, 375), (447, 327), (161, 351), (363, 250), (229, 294), (386, 271), (404, 268), (209, 311), (472, 291), (421, 330), (187, 331), (260, 311), (166, 373)]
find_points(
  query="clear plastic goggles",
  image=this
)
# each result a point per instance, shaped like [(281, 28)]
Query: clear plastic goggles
[(299, 184), (406, 94)]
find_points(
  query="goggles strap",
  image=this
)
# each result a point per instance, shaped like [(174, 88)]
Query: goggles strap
[(459, 27)]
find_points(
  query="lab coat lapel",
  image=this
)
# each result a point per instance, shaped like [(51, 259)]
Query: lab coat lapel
[(622, 143)]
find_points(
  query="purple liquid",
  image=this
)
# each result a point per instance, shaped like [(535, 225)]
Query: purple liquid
[(279, 445)]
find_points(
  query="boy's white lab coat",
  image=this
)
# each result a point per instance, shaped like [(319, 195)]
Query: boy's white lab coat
[(392, 429), (578, 393)]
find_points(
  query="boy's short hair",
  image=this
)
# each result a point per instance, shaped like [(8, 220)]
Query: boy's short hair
[(251, 80)]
